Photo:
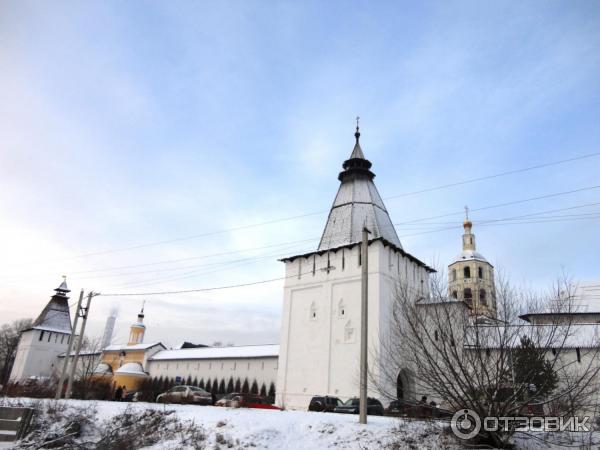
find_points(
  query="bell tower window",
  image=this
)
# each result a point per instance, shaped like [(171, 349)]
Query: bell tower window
[(482, 297), (480, 272), (468, 296), (467, 272)]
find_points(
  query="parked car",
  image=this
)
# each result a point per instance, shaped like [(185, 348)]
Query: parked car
[(186, 394), (237, 400), (412, 409), (374, 407), (324, 403)]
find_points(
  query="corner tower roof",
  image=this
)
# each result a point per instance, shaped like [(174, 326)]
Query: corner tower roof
[(56, 316), (357, 204)]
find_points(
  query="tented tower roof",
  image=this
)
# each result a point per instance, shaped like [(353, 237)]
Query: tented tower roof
[(357, 204), (56, 316)]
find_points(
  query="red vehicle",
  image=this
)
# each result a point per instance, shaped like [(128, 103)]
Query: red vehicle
[(237, 400)]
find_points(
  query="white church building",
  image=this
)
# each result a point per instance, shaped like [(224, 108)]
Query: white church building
[(320, 330)]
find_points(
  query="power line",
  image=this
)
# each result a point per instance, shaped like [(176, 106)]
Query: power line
[(269, 222), (260, 257), (496, 223), (499, 205)]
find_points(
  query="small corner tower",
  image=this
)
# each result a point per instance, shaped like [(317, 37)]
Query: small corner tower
[(471, 276), (48, 337), (136, 335)]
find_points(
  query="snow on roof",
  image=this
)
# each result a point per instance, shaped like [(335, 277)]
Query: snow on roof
[(469, 255), (584, 300), (83, 353), (55, 317), (246, 351), (120, 347), (103, 368), (548, 336), (357, 204), (132, 368)]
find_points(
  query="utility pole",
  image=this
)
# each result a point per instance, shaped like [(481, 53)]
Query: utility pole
[(85, 316), (63, 373), (364, 316)]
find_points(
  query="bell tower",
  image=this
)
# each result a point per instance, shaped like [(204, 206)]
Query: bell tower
[(136, 335), (471, 276)]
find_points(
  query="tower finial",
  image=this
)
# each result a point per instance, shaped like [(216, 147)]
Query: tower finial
[(467, 224), (143, 304), (357, 134)]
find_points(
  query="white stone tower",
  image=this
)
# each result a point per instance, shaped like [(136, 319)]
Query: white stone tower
[(48, 337), (320, 334), (471, 276)]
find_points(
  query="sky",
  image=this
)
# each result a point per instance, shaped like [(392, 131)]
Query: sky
[(154, 146)]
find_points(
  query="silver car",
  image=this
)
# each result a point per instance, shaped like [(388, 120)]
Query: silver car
[(186, 394)]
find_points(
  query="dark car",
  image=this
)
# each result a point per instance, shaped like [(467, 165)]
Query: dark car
[(418, 410), (186, 394), (324, 403), (374, 407)]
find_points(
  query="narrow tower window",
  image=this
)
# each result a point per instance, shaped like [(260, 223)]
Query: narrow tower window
[(482, 297), (468, 295), (341, 308), (313, 311), (467, 272), (480, 272)]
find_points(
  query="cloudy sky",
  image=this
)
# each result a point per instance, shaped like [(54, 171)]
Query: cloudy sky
[(144, 145)]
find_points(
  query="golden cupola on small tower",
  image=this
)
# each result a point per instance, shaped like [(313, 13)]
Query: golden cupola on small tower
[(471, 276), (136, 335)]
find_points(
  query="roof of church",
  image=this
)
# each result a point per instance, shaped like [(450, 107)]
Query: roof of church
[(469, 255), (119, 347), (245, 351), (356, 205), (585, 300), (56, 316)]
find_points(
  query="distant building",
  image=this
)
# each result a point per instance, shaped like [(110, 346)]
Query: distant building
[(130, 364), (48, 337), (471, 277), (125, 364)]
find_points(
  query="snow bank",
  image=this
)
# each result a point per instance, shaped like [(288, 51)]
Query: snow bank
[(271, 429)]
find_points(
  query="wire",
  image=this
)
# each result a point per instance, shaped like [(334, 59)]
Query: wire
[(499, 205), (284, 219)]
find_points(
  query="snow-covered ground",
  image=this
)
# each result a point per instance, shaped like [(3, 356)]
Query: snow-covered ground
[(272, 429)]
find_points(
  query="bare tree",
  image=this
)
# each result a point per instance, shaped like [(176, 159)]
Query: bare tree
[(9, 341), (438, 347), (86, 364)]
